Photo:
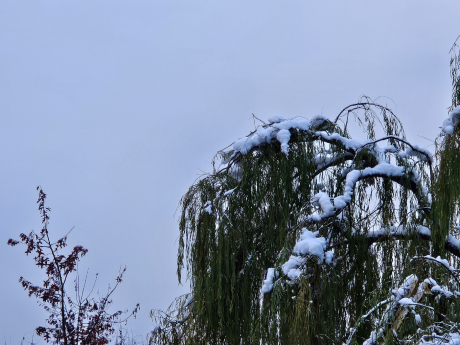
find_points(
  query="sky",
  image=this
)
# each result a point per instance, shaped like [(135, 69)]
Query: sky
[(116, 107)]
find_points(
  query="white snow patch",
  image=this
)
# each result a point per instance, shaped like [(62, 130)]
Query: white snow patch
[(297, 123), (318, 120), (418, 152), (353, 176), (405, 288), (329, 256), (325, 202), (229, 192), (268, 282), (423, 230), (442, 290), (208, 207), (262, 135), (389, 231), (277, 118), (453, 241), (449, 123), (406, 302), (443, 262), (291, 267), (283, 137), (310, 244), (279, 129), (348, 143)]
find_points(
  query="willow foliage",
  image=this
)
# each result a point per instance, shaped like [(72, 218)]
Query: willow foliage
[(447, 186), (306, 236)]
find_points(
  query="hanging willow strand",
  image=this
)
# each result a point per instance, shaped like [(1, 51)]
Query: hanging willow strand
[(447, 186)]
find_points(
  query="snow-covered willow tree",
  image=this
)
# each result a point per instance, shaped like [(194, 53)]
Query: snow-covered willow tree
[(306, 234)]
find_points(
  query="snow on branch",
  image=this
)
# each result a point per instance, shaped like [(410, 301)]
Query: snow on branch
[(452, 245), (385, 170), (451, 121), (308, 245)]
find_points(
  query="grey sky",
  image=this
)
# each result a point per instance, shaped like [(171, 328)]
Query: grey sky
[(115, 106)]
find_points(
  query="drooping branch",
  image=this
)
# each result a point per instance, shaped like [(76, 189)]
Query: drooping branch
[(362, 105), (452, 245), (384, 170)]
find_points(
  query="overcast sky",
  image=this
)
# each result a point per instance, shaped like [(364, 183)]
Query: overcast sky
[(115, 107)]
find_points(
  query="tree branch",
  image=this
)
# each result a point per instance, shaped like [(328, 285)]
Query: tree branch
[(451, 244)]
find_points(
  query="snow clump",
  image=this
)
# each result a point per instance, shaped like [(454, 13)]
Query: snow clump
[(449, 123)]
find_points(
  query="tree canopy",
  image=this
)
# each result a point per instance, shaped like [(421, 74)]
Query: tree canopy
[(310, 232)]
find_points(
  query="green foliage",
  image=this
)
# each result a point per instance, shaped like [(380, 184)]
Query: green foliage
[(455, 74), (247, 217), (447, 191), (447, 186), (372, 202)]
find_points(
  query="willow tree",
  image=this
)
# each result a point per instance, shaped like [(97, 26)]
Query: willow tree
[(305, 235)]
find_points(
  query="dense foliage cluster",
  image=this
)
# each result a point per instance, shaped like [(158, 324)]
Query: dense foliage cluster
[(309, 235)]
